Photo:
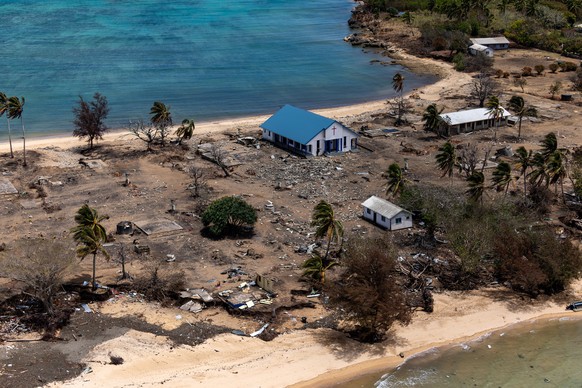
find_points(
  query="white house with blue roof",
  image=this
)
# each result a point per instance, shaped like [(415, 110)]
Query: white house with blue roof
[(308, 133)]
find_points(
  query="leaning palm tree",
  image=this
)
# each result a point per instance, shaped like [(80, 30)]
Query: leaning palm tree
[(4, 110), (524, 162), (89, 234), (15, 109), (502, 177), (539, 173), (323, 218), (556, 169), (476, 182), (316, 266), (161, 118), (186, 130), (495, 112), (432, 118), (549, 145), (395, 179), (518, 106), (446, 159)]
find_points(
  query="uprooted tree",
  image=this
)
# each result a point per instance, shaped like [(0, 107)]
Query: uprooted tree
[(368, 289)]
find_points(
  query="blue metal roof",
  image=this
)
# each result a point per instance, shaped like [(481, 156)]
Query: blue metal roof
[(296, 124)]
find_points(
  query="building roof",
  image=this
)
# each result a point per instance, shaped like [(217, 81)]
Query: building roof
[(296, 124), (469, 116), (494, 40), (479, 47), (382, 207)]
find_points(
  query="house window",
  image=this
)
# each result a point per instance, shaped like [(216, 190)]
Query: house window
[(309, 148), (398, 220), (368, 211), (383, 218), (354, 143), (345, 141), (407, 217)]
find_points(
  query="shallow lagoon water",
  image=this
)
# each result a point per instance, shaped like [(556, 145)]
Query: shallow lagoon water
[(542, 354), (207, 59)]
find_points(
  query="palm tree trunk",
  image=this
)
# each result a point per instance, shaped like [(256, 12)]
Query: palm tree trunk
[(23, 139), (10, 139), (94, 285), (327, 248)]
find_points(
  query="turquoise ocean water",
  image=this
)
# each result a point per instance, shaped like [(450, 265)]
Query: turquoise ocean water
[(542, 354), (207, 59)]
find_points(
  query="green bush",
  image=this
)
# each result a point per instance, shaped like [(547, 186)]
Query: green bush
[(228, 214)]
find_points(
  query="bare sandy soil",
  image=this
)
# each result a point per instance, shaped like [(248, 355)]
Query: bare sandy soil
[(166, 345)]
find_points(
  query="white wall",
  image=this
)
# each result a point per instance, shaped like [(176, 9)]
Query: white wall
[(390, 224), (328, 134), (405, 221)]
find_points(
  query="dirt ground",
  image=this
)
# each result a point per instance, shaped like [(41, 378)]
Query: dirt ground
[(262, 176)]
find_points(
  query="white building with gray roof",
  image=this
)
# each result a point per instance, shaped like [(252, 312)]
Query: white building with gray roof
[(471, 120), (386, 214), (496, 43)]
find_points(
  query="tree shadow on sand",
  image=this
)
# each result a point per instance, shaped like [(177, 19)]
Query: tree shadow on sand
[(345, 348)]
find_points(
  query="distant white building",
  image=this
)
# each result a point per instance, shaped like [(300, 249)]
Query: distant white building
[(471, 120), (386, 214), (495, 43), (479, 48)]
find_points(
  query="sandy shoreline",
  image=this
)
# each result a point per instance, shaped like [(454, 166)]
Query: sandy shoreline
[(301, 358)]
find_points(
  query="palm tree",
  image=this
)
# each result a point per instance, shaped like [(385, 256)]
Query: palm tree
[(524, 161), (446, 159), (556, 170), (539, 173), (186, 130), (517, 104), (476, 188), (88, 242), (495, 111), (323, 218), (161, 118), (432, 118), (315, 267), (502, 177), (89, 234), (395, 179), (4, 110), (15, 109), (549, 145), (398, 86)]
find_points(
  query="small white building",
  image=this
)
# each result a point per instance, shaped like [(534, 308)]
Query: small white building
[(307, 133), (386, 214), (495, 43), (479, 48), (471, 120)]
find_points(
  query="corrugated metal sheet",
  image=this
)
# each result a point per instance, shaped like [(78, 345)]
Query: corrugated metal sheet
[(469, 116), (296, 124), (382, 207)]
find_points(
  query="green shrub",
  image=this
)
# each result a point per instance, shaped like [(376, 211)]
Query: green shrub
[(228, 214)]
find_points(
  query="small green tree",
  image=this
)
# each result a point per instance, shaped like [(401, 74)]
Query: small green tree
[(227, 215), (555, 88), (186, 130), (90, 118), (554, 67)]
